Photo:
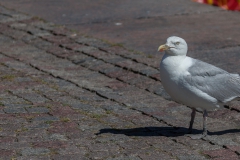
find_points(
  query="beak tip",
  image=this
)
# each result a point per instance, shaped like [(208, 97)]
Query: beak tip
[(162, 48)]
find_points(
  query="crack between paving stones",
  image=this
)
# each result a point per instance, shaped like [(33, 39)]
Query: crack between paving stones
[(6, 15), (159, 120)]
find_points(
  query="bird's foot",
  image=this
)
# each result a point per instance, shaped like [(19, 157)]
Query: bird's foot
[(199, 136)]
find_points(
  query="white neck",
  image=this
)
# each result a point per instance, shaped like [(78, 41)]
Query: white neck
[(173, 61)]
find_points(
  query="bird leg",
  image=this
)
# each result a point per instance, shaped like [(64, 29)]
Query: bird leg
[(192, 120), (204, 134), (204, 123)]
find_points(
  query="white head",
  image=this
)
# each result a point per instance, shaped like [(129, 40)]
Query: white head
[(174, 46)]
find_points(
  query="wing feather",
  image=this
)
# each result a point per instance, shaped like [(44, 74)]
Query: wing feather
[(214, 81)]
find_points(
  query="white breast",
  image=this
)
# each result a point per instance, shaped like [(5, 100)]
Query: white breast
[(170, 72)]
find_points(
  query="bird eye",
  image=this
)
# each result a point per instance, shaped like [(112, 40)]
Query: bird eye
[(177, 43)]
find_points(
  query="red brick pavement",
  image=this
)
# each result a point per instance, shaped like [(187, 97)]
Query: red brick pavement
[(67, 96)]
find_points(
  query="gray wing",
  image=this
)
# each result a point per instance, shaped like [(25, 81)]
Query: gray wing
[(214, 81)]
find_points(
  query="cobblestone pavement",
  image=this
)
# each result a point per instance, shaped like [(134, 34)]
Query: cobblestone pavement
[(66, 96)]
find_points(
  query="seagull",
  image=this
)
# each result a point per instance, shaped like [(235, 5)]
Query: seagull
[(194, 83)]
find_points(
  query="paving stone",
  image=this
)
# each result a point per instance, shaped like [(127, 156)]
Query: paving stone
[(38, 110), (15, 110), (34, 151), (221, 153), (45, 118), (61, 40), (226, 140), (76, 156), (55, 136), (83, 107), (124, 157), (41, 125), (7, 154), (191, 157), (63, 127), (155, 154), (41, 157), (14, 146), (234, 148), (198, 145), (50, 144)]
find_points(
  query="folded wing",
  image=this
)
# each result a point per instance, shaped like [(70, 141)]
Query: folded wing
[(213, 81)]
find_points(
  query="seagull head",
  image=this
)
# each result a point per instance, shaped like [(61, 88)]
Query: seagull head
[(174, 46)]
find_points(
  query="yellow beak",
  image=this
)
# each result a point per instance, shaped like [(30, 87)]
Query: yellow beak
[(163, 48)]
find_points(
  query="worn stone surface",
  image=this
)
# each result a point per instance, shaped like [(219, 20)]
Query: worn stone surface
[(67, 96)]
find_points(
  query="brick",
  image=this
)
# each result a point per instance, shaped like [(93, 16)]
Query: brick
[(91, 42), (116, 85), (34, 151), (71, 149), (118, 73), (83, 107), (15, 110), (71, 45), (37, 32), (148, 71), (149, 60), (34, 98), (58, 39), (128, 76), (5, 154), (63, 111), (37, 125), (132, 157), (222, 154), (75, 156), (152, 154), (55, 137), (45, 118), (39, 157), (234, 148), (7, 139), (37, 110), (63, 127), (198, 145), (50, 144), (62, 31), (114, 59), (143, 82)]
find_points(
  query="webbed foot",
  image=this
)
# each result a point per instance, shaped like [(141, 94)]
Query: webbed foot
[(197, 136)]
